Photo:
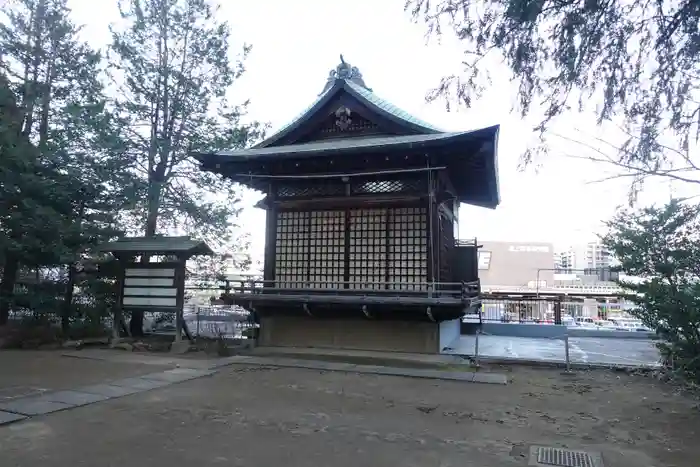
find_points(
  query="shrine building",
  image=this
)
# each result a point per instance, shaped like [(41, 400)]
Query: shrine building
[(362, 207)]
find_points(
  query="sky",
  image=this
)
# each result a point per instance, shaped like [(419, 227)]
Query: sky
[(296, 44)]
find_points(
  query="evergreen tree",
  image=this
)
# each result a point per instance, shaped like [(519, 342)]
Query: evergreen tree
[(62, 200), (16, 178), (634, 59), (173, 61), (661, 246)]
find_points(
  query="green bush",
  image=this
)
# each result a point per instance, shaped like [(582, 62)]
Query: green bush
[(660, 247)]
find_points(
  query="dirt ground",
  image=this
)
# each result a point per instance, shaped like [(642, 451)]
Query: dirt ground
[(26, 372), (258, 416)]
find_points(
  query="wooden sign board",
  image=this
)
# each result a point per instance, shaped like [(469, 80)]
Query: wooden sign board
[(153, 286)]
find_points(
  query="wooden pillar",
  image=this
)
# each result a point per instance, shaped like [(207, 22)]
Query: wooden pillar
[(433, 233), (117, 312), (270, 238), (179, 297)]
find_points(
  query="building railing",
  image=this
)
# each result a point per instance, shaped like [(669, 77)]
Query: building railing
[(543, 310), (522, 310), (593, 289), (354, 288)]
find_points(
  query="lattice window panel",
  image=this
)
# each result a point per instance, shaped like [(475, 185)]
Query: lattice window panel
[(408, 248), (292, 249), (384, 246), (364, 187), (367, 267), (311, 190), (327, 249)]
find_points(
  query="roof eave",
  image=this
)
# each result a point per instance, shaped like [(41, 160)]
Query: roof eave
[(488, 135), (126, 247), (249, 155), (494, 168)]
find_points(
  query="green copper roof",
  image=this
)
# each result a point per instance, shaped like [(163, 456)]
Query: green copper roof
[(157, 245), (294, 122), (390, 108), (349, 79)]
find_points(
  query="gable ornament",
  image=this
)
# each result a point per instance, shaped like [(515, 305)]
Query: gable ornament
[(343, 118)]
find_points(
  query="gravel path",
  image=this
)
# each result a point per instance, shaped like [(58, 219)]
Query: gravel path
[(263, 416)]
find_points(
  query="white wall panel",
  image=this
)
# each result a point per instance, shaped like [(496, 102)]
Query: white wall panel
[(148, 281), (153, 292), (147, 272), (148, 301)]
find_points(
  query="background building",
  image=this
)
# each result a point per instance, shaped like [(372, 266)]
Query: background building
[(518, 264), (588, 256), (580, 275), (504, 265), (588, 263)]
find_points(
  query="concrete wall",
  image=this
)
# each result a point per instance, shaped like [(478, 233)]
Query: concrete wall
[(523, 330), (395, 336), (550, 331), (573, 332), (516, 264), (449, 332)]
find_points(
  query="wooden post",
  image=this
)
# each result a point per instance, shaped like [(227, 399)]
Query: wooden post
[(567, 371), (270, 239), (118, 315), (179, 298)]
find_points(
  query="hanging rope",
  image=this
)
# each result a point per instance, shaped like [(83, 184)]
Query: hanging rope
[(331, 175)]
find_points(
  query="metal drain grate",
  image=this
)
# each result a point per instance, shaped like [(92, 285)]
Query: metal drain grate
[(547, 456)]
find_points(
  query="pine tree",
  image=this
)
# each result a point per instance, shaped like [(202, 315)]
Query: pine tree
[(173, 61), (62, 202)]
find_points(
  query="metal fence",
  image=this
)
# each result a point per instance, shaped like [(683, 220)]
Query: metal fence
[(218, 321), (545, 310), (521, 310), (210, 321)]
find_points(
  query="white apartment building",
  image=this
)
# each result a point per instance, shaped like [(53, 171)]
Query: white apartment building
[(590, 256)]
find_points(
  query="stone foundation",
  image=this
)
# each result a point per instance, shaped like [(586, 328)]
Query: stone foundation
[(351, 334)]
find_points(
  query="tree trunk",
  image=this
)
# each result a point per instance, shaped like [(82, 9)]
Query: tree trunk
[(136, 324), (136, 321), (72, 272), (68, 302), (156, 166), (153, 205), (7, 286), (30, 93)]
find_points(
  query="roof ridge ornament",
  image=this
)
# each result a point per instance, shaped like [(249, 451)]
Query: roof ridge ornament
[(347, 72)]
